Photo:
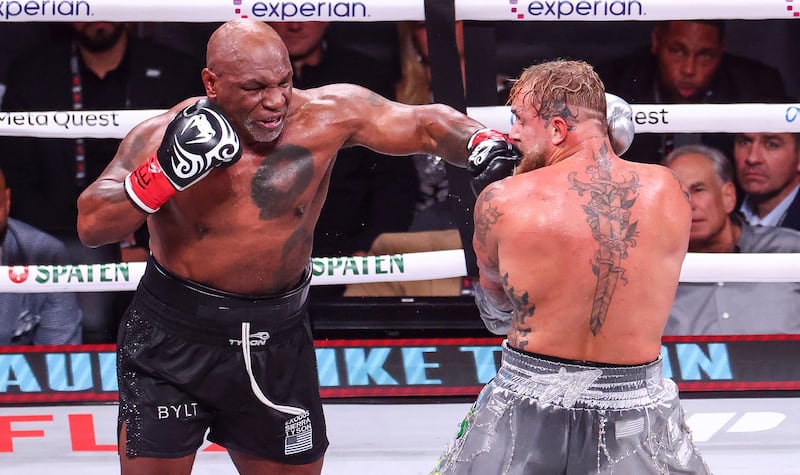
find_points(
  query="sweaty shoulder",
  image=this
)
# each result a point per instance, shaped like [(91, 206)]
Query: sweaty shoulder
[(348, 108), (345, 99)]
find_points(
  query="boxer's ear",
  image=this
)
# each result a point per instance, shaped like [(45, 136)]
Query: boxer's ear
[(209, 82)]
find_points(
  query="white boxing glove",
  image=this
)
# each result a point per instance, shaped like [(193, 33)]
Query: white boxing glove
[(620, 123), (496, 320)]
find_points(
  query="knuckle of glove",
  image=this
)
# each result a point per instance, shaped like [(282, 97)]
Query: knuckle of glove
[(620, 123), (197, 140), (496, 162)]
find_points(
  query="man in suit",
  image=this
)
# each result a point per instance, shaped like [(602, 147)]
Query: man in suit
[(687, 62), (768, 170), (90, 66), (33, 318)]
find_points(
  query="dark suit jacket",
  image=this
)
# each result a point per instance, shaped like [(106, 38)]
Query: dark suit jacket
[(52, 318), (792, 218), (738, 79), (41, 172)]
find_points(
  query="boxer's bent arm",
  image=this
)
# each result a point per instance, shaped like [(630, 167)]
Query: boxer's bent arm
[(105, 214), (487, 217), (399, 129)]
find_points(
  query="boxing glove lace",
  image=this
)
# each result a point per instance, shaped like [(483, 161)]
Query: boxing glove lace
[(491, 157), (199, 139)]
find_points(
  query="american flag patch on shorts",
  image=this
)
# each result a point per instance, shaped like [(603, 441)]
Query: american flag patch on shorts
[(298, 434)]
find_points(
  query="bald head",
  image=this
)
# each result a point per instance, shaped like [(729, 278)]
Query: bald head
[(235, 38)]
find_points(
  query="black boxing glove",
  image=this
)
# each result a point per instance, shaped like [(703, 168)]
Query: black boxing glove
[(199, 139), (491, 157)]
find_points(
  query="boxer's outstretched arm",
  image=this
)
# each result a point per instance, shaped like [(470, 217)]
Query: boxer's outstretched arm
[(398, 129), (105, 214)]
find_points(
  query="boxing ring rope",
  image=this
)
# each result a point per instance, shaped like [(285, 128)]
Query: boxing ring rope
[(648, 118), (697, 267)]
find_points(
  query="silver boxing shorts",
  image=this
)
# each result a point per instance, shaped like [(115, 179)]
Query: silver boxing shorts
[(541, 416)]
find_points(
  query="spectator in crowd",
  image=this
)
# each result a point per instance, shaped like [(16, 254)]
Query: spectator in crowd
[(687, 62), (96, 66), (728, 308), (369, 194), (33, 318), (768, 170)]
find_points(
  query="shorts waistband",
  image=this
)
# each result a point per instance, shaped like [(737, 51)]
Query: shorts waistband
[(568, 384), (210, 310)]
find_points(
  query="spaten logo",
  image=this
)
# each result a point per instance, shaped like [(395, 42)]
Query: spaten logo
[(18, 274)]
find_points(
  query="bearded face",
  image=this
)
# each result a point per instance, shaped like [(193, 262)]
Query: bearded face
[(98, 36)]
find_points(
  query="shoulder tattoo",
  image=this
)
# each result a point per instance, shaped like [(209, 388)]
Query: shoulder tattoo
[(609, 217), (282, 177), (485, 217), (681, 185)]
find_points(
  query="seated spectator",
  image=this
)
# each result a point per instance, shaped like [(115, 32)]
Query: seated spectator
[(686, 62), (728, 308), (768, 170), (97, 66), (33, 318)]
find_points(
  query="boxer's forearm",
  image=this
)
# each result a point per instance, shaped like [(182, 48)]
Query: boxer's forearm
[(106, 215), (450, 131)]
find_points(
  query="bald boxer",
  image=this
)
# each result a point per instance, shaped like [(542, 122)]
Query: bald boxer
[(231, 186), (579, 255)]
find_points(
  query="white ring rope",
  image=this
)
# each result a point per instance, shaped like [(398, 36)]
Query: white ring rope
[(697, 267), (648, 118), (382, 10)]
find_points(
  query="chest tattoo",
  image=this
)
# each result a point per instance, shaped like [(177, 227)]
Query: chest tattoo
[(283, 176), (608, 214)]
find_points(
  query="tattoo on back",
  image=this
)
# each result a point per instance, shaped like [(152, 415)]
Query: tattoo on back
[(523, 308), (282, 177), (608, 214)]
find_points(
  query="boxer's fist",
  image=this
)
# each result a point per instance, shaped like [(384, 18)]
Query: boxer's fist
[(496, 320), (197, 140), (620, 123), (491, 157)]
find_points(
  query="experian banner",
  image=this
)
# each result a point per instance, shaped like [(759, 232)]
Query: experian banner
[(622, 10), (409, 367), (209, 10)]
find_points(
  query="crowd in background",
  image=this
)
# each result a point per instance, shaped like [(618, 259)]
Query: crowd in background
[(743, 187)]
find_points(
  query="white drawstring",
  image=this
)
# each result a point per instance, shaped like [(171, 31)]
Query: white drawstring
[(293, 411)]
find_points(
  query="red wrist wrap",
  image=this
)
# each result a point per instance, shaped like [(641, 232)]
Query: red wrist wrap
[(484, 134), (147, 186)]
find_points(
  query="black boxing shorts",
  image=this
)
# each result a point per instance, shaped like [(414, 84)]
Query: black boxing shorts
[(191, 359), (544, 415)]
